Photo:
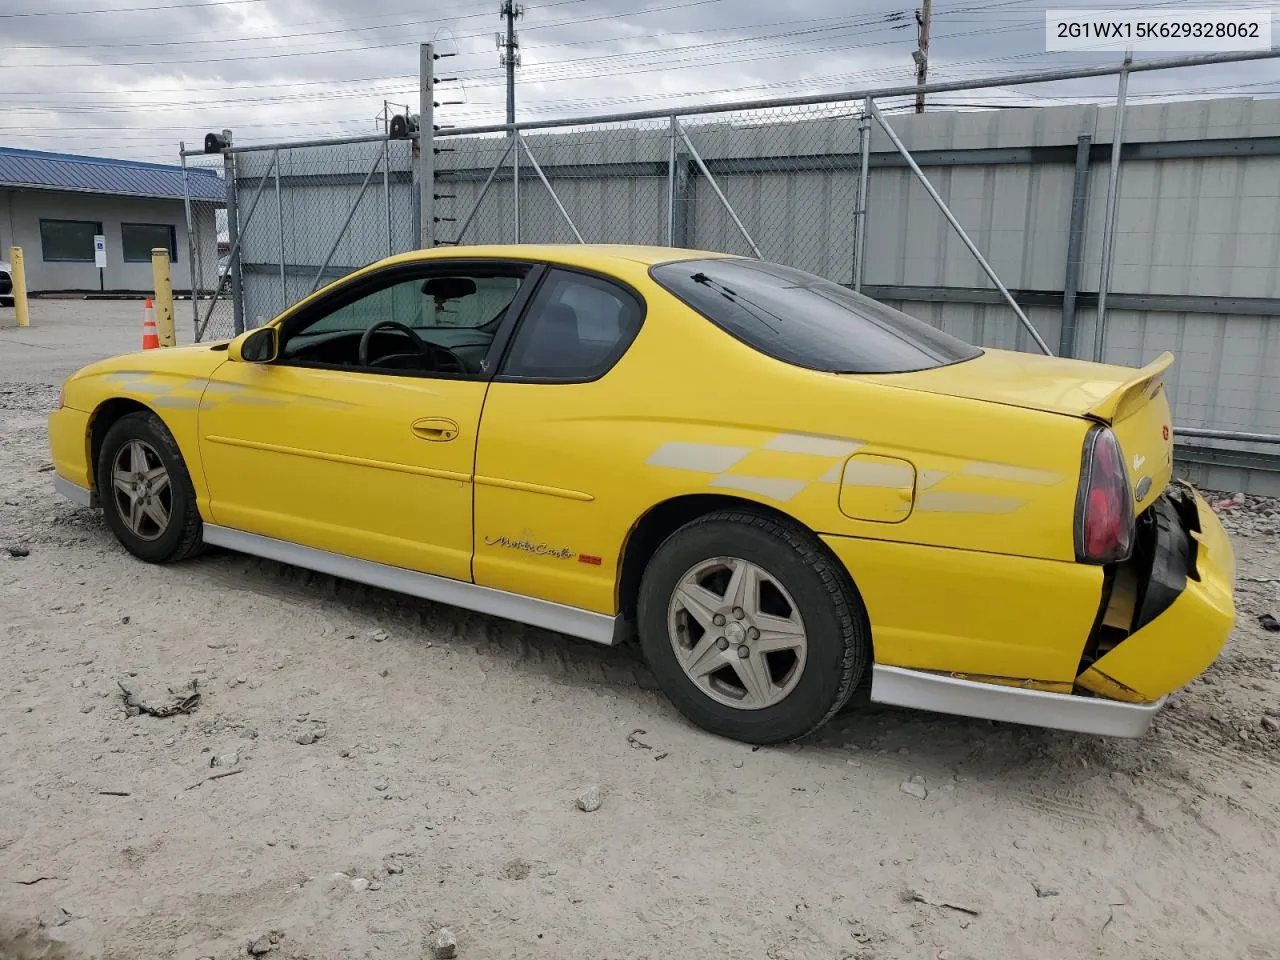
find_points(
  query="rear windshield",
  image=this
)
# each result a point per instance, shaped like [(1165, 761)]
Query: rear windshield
[(801, 319)]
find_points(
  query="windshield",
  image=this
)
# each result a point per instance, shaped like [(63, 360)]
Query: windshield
[(804, 320)]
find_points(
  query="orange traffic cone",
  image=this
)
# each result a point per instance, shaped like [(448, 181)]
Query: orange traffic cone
[(150, 335)]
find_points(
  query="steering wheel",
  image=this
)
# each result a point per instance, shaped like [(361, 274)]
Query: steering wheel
[(440, 359)]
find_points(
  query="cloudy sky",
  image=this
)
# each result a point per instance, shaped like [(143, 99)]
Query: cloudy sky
[(133, 77)]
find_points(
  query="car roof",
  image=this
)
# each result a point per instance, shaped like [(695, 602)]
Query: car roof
[(572, 254)]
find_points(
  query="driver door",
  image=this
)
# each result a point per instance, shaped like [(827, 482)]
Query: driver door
[(360, 437)]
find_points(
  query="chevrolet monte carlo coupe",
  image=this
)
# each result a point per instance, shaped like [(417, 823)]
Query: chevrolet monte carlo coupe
[(782, 487)]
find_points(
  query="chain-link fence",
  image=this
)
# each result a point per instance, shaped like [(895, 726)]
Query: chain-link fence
[(302, 216), (1106, 232), (208, 245)]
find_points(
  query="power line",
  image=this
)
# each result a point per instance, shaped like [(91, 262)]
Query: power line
[(399, 23), (97, 64), (191, 6), (162, 6)]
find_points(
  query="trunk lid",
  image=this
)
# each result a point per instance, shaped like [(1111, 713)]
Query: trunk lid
[(1132, 402)]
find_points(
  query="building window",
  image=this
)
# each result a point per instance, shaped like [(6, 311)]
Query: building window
[(68, 241), (137, 240)]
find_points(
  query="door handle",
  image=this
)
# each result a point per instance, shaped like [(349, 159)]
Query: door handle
[(434, 428)]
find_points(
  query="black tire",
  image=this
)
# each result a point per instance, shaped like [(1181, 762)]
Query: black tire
[(835, 621), (181, 537)]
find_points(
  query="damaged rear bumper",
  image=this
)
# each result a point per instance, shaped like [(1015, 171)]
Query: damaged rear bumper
[(1184, 611), (1157, 636)]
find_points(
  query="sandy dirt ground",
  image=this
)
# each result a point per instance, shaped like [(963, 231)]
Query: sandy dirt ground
[(394, 767)]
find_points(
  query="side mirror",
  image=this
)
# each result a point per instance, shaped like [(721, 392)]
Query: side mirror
[(256, 346)]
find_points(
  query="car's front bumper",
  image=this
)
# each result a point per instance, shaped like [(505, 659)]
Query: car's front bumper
[(69, 451), (74, 492)]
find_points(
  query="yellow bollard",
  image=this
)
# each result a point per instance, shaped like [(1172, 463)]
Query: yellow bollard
[(19, 286), (163, 281)]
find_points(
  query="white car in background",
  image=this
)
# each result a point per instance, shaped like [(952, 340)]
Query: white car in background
[(6, 284)]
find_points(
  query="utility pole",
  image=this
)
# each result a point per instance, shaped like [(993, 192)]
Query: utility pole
[(921, 53), (509, 52)]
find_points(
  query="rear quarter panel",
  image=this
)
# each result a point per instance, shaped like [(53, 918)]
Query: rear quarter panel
[(706, 413), (569, 469)]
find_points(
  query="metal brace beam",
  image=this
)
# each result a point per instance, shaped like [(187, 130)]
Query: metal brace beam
[(1109, 224), (702, 167), (546, 183), (946, 212), (475, 207), (377, 161), (234, 253), (1242, 436)]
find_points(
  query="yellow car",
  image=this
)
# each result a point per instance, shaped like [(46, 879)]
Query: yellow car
[(783, 487)]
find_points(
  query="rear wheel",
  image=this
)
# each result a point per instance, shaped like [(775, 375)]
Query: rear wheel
[(145, 490), (752, 630)]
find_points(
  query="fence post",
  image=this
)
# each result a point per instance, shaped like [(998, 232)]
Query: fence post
[(683, 218), (19, 286), (195, 262), (386, 198), (1075, 247), (284, 289), (233, 237), (671, 184), (864, 171), (515, 186), (1109, 224), (162, 281), (426, 146)]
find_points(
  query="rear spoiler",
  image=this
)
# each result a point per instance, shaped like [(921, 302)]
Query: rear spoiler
[(1133, 393)]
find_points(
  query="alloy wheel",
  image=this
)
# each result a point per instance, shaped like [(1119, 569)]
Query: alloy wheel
[(737, 633), (143, 494)]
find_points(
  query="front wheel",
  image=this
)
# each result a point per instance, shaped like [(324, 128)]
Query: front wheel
[(145, 490), (751, 628)]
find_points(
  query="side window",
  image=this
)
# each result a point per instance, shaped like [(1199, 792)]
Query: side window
[(491, 298), (576, 329), (440, 323), (400, 303)]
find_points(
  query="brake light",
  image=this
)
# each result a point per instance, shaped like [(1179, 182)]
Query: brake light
[(1104, 508)]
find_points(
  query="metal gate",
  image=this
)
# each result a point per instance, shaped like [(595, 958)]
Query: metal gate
[(301, 215)]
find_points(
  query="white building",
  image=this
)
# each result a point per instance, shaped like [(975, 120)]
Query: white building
[(53, 205)]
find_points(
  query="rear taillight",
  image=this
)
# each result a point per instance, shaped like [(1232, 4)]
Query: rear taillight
[(1104, 508)]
